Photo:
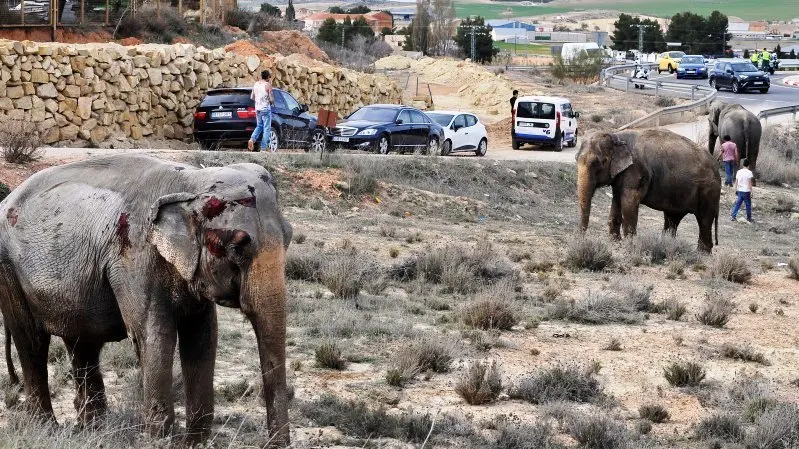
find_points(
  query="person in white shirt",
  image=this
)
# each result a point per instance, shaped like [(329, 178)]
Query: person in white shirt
[(263, 97), (743, 186)]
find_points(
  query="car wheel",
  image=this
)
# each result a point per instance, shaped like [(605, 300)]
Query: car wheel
[(763, 91), (482, 147), (446, 149), (433, 148), (383, 146), (659, 71), (516, 144), (318, 142), (573, 142), (713, 83), (671, 69), (560, 143), (736, 88), (274, 140)]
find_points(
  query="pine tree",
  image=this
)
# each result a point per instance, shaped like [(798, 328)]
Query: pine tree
[(290, 14)]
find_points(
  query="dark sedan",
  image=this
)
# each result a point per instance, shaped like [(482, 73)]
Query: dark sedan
[(739, 76), (226, 117), (383, 128)]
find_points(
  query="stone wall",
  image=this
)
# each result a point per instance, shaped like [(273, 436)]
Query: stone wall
[(93, 92)]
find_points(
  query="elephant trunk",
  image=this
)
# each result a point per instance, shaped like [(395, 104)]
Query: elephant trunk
[(711, 141), (264, 303), (585, 192)]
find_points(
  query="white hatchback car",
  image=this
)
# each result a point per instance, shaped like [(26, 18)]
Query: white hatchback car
[(463, 132)]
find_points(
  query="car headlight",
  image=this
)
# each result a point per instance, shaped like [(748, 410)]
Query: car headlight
[(743, 77), (368, 132), (765, 75), (680, 69)]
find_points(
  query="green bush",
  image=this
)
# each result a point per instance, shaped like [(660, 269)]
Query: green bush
[(684, 374), (558, 383), (4, 191)]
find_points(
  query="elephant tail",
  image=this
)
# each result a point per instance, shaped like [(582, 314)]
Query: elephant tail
[(716, 221), (12, 373)]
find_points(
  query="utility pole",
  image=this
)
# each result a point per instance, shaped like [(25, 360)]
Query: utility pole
[(474, 47), (342, 36), (641, 36)]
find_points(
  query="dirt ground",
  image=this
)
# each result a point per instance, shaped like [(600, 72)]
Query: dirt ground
[(527, 212)]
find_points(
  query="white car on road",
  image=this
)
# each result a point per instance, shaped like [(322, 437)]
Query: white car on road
[(463, 132)]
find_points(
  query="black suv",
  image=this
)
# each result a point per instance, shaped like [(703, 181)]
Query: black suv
[(226, 117), (739, 75)]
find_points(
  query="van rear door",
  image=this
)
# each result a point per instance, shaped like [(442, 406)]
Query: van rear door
[(535, 120)]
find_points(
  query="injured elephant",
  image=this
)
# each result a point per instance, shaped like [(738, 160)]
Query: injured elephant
[(133, 246), (656, 168)]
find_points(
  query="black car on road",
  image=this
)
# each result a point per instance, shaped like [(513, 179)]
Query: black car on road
[(226, 117), (382, 128), (739, 75)]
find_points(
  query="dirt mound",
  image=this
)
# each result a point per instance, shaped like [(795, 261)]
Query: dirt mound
[(130, 41), (63, 36), (304, 60), (246, 48), (288, 42), (394, 62)]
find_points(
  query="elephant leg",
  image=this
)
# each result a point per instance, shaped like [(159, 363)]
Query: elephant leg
[(671, 221), (630, 202), (614, 220), (90, 401), (705, 222), (157, 352), (197, 336), (32, 348)]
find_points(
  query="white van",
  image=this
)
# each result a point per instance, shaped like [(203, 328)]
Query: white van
[(544, 120)]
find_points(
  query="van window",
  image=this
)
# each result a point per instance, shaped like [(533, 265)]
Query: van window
[(529, 109)]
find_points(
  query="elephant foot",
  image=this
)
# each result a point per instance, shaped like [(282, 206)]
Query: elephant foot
[(159, 420), (615, 236), (90, 411)]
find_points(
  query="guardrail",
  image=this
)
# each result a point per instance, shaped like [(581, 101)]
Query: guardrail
[(766, 113)]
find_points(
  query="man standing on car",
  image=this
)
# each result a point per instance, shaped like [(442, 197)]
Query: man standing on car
[(263, 97)]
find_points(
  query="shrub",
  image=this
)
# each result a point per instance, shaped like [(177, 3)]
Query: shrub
[(793, 269), (657, 248), (674, 309), (538, 436), (784, 203), (776, 428), (597, 118), (405, 366), (753, 307), (653, 412), (778, 160), (730, 267), (299, 238), (596, 431), (328, 355), (357, 419), (20, 142), (684, 374), (664, 102), (613, 345), (716, 312), (588, 253), (236, 390), (643, 427), (426, 354), (614, 306), (4, 191), (492, 309), (121, 355), (583, 68), (755, 408), (362, 183), (305, 265), (481, 384), (745, 353), (722, 426), (149, 23), (558, 383), (345, 273)]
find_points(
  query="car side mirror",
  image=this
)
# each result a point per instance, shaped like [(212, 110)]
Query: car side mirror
[(399, 121), (303, 108), (576, 115), (729, 71), (455, 127)]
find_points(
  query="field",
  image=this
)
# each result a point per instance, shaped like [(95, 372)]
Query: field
[(536, 49), (745, 9)]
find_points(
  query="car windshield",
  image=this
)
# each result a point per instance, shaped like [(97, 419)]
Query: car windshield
[(374, 114), (441, 119), (529, 109), (744, 67), (236, 97), (692, 60), (676, 54)]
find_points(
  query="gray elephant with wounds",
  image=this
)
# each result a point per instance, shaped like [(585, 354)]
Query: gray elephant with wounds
[(656, 168), (132, 246), (742, 126)]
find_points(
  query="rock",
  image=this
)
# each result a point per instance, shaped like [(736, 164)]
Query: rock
[(155, 77), (46, 91), (51, 105), (39, 76), (70, 132), (6, 104), (795, 216), (99, 134), (342, 186), (85, 107), (253, 62), (72, 91), (52, 135), (24, 103)]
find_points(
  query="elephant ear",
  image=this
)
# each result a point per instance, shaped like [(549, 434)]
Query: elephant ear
[(621, 158), (173, 232)]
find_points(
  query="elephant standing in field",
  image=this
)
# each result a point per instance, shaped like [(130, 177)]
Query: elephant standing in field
[(653, 167), (99, 250), (742, 126)]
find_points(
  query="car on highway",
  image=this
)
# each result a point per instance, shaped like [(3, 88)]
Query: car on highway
[(463, 132), (383, 128), (692, 66), (669, 61), (544, 121), (738, 75), (226, 117)]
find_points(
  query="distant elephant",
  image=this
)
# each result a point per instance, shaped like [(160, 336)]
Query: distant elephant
[(133, 246), (742, 126), (656, 168)]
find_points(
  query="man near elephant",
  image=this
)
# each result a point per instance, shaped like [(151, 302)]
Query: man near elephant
[(730, 157), (263, 97), (743, 186)]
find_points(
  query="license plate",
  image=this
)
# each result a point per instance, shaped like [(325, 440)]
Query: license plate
[(221, 115), (525, 124), (757, 83), (341, 139), (692, 71)]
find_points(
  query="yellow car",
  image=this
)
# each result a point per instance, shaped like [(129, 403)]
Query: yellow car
[(669, 61)]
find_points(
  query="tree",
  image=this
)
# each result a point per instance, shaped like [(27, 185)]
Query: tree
[(330, 31), (778, 51), (386, 31), (360, 9), (419, 37), (442, 26), (792, 55), (270, 10), (360, 27), (484, 43), (625, 34), (700, 35), (337, 10), (290, 13)]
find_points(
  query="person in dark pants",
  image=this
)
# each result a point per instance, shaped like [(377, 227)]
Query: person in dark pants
[(743, 186), (513, 100)]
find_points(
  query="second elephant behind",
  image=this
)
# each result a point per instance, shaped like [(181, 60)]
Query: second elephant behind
[(742, 126)]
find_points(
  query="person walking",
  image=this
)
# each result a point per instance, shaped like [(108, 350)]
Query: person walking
[(743, 186), (730, 157), (263, 97)]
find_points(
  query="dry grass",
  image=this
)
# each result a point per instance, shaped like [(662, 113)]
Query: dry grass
[(20, 142), (588, 253), (328, 355), (534, 436), (684, 374), (481, 383), (492, 309), (730, 267), (597, 431), (620, 303), (564, 382), (723, 426), (653, 412), (778, 160), (716, 311), (776, 428), (658, 248), (793, 269), (745, 353)]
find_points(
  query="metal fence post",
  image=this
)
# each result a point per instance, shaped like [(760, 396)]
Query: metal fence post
[(627, 84), (693, 92), (794, 113), (657, 89)]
